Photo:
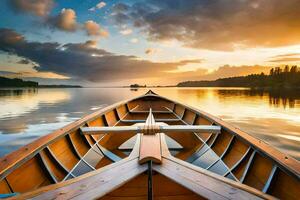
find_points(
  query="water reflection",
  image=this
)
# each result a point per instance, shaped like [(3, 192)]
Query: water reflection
[(273, 116), (277, 98), (18, 102)]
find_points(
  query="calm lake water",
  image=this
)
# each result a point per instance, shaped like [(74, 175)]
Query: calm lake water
[(26, 114)]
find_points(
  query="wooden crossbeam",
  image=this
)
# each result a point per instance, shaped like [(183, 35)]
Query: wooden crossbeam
[(143, 120), (150, 149), (159, 129)]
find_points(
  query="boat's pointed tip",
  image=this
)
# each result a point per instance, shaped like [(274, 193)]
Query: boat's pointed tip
[(150, 92)]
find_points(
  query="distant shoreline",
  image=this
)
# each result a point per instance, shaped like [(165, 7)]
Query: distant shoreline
[(19, 83), (59, 86)]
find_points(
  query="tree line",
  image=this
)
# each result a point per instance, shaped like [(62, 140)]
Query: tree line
[(286, 77), (16, 82)]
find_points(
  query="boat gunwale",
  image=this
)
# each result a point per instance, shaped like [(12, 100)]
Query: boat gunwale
[(16, 158)]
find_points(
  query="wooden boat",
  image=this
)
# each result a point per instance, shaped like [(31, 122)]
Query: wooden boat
[(149, 147)]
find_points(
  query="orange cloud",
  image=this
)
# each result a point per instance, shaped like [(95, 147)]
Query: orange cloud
[(216, 25), (284, 58), (94, 29), (65, 20)]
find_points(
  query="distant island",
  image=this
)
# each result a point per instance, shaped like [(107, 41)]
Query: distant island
[(137, 86), (16, 82), (286, 78)]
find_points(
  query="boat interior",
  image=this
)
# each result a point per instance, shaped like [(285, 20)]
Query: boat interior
[(230, 156)]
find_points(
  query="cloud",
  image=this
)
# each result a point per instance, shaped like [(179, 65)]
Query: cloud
[(284, 58), (134, 40), (98, 6), (151, 51), (33, 74), (65, 20), (24, 62), (35, 7), (126, 31), (9, 37), (215, 25), (94, 29), (83, 61), (91, 43), (286, 55), (231, 71)]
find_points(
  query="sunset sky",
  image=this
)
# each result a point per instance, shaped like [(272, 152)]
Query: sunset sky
[(106, 43)]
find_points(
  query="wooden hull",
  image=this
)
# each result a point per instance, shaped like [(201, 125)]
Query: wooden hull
[(66, 156)]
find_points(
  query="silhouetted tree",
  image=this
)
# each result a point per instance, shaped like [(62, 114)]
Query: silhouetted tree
[(286, 69), (278, 78)]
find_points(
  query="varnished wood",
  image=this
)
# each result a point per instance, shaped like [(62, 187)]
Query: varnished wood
[(159, 128), (87, 186), (47, 169), (51, 158), (203, 184), (150, 149)]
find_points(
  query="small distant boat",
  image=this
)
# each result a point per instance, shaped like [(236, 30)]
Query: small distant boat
[(149, 147)]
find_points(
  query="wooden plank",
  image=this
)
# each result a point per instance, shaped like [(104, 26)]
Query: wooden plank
[(63, 152), (111, 118), (249, 163), (284, 186), (136, 149), (109, 154), (4, 187), (201, 183), (189, 117), (150, 149), (73, 147), (164, 147), (136, 189), (179, 110), (197, 182), (139, 129), (235, 153), (227, 147), (222, 142), (240, 160), (117, 114), (122, 111), (46, 167), (57, 161), (259, 172), (28, 176), (271, 176), (143, 120), (150, 141), (79, 142), (91, 185), (54, 167), (153, 111)]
